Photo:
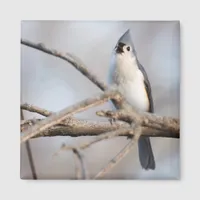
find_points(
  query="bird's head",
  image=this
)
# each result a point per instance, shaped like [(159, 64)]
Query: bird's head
[(124, 48)]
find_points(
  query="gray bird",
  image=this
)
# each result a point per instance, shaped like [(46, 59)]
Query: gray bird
[(132, 81)]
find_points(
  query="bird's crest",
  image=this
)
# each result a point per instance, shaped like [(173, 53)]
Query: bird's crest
[(126, 39)]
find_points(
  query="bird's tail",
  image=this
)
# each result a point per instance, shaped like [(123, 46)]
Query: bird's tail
[(145, 153)]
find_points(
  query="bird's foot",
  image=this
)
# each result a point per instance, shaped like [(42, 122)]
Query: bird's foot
[(112, 120)]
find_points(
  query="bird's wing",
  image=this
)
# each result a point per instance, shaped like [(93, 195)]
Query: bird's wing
[(145, 150), (148, 87)]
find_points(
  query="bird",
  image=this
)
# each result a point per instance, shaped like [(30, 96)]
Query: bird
[(131, 79)]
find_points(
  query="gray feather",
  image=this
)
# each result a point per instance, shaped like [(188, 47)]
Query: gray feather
[(144, 145), (146, 154)]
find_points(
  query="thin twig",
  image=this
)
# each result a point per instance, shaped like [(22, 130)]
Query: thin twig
[(81, 170), (121, 154), (58, 117), (76, 167), (33, 108), (108, 135), (29, 152), (69, 58), (28, 122)]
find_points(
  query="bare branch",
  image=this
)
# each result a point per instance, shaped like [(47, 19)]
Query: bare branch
[(36, 109), (80, 128), (29, 122), (84, 146), (146, 119), (80, 169), (121, 154), (58, 117), (29, 152), (77, 127), (69, 58), (101, 137), (76, 167)]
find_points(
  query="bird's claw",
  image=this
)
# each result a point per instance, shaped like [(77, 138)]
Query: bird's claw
[(111, 120)]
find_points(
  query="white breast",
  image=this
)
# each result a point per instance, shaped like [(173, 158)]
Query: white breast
[(130, 82)]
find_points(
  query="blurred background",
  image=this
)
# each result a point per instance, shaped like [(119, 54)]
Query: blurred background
[(54, 84)]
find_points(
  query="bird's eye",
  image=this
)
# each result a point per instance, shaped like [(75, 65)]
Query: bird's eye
[(128, 48)]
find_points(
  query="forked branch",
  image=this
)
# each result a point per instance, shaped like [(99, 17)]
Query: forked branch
[(57, 118)]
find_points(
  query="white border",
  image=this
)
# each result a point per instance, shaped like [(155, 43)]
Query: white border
[(12, 187)]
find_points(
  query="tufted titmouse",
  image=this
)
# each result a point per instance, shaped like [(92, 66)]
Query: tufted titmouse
[(132, 81)]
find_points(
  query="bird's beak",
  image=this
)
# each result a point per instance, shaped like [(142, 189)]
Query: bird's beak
[(119, 49)]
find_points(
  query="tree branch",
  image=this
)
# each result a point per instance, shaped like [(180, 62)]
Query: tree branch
[(58, 117), (121, 154), (146, 119), (35, 109), (69, 58), (76, 127)]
